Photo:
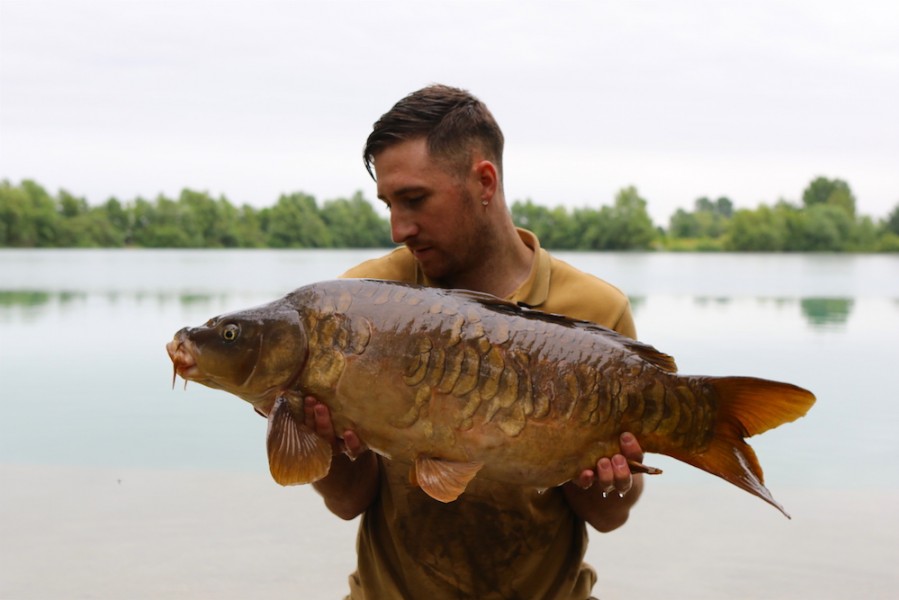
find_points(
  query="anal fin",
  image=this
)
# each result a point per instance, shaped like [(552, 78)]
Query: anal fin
[(296, 454), (443, 480)]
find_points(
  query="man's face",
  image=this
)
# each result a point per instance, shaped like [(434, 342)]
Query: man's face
[(433, 211)]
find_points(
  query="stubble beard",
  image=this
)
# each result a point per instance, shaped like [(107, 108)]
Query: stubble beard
[(471, 250)]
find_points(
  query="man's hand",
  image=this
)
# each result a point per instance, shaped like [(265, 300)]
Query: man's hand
[(613, 475), (318, 418), (351, 485), (604, 496)]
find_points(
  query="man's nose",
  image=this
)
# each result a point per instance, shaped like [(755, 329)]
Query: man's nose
[(402, 227)]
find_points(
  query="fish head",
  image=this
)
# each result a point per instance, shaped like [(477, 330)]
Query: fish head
[(254, 354)]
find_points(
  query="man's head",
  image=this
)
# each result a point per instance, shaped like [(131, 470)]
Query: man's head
[(452, 121)]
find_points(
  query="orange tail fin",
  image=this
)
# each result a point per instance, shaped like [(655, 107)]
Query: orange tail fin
[(747, 406)]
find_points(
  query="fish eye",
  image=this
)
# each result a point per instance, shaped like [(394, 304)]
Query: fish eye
[(230, 332)]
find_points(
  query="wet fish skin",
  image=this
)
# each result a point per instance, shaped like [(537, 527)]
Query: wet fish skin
[(461, 383)]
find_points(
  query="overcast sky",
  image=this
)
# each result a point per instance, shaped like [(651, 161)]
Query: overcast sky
[(251, 99)]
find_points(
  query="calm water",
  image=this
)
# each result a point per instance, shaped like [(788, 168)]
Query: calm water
[(86, 380)]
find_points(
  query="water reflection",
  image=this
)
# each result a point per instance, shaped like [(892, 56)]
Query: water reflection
[(637, 303), (39, 298), (31, 298), (826, 313), (819, 313), (707, 301), (196, 298)]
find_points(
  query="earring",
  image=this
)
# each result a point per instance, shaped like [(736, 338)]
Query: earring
[(484, 202)]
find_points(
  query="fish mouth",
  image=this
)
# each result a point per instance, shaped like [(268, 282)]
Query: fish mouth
[(181, 350)]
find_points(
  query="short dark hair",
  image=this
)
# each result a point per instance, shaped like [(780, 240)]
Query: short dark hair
[(450, 119)]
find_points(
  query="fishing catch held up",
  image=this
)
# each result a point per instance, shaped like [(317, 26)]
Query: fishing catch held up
[(461, 384)]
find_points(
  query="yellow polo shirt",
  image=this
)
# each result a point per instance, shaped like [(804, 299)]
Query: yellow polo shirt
[(495, 541)]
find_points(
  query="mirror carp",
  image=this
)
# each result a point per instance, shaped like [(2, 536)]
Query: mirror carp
[(458, 384)]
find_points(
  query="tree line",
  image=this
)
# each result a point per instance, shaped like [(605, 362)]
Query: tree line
[(32, 218), (825, 220)]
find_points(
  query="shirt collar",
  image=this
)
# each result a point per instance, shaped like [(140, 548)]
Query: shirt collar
[(535, 289)]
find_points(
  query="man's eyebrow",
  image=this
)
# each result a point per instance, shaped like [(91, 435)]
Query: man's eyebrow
[(404, 191)]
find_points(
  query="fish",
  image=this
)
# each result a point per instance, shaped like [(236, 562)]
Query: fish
[(459, 384)]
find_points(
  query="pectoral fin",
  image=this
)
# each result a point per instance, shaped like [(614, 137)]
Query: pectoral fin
[(296, 454), (443, 480)]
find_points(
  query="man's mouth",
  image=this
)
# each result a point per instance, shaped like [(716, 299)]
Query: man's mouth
[(419, 251)]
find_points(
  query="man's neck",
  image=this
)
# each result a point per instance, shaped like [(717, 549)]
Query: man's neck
[(503, 269)]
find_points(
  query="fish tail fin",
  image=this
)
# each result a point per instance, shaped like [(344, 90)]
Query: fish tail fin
[(747, 406)]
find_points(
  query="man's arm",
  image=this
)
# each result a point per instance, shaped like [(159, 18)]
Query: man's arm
[(352, 483), (604, 497)]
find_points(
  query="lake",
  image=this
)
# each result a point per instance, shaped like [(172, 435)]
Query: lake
[(86, 382)]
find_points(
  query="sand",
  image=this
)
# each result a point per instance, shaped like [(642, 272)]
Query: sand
[(73, 532)]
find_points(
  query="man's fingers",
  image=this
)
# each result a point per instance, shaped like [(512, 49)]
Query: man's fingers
[(352, 444), (622, 474), (585, 479), (309, 411), (323, 425), (630, 447), (605, 475)]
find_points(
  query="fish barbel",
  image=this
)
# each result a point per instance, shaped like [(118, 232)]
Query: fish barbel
[(460, 383)]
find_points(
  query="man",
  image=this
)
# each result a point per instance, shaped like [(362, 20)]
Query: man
[(437, 159)]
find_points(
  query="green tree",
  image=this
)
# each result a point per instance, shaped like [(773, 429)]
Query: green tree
[(249, 228), (42, 214), (760, 230), (164, 223), (28, 215), (211, 223), (89, 230), (295, 222), (865, 235), (834, 192), (13, 211), (823, 228), (709, 219), (561, 229), (143, 217), (891, 224), (532, 217), (118, 216), (555, 227), (629, 224), (173, 227), (70, 206), (81, 226), (683, 225), (625, 225), (353, 223)]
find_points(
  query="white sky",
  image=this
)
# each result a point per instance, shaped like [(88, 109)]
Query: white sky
[(251, 98)]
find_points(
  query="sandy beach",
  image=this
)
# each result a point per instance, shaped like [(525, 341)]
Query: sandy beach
[(134, 533)]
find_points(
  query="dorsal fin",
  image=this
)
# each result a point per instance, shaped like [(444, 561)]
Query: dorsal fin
[(648, 353)]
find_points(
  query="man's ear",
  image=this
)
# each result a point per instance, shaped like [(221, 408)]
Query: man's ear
[(487, 178)]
